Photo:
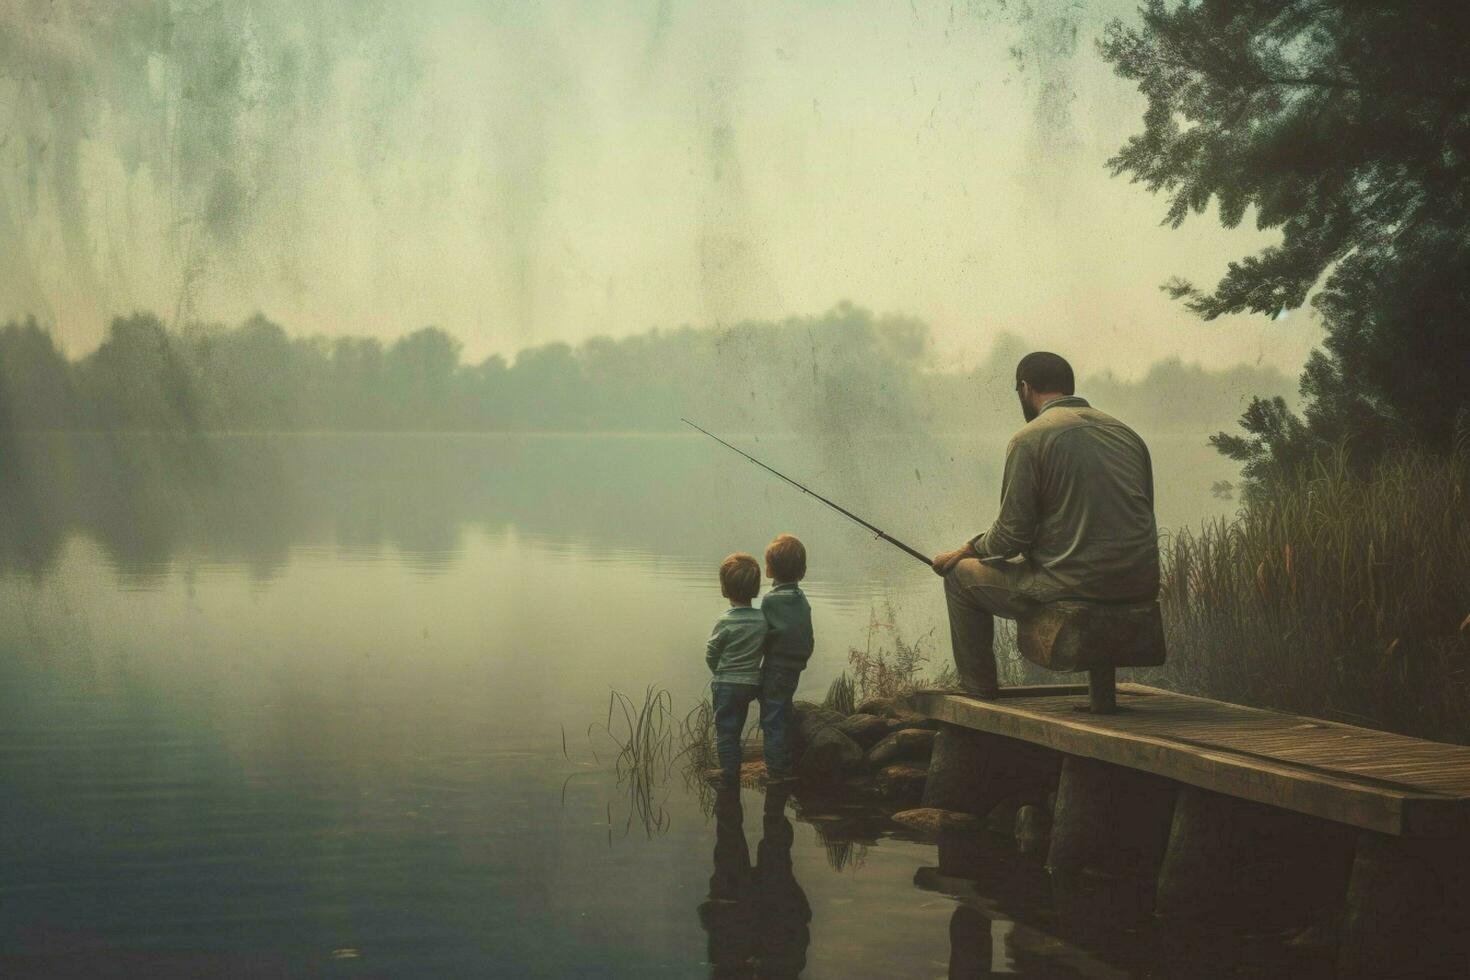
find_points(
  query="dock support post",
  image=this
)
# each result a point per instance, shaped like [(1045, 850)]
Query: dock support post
[(1109, 818), (1238, 863), (1108, 832), (972, 771), (1102, 690), (957, 760), (970, 943), (1405, 911)]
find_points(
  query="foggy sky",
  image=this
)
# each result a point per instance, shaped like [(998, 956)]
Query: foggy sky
[(520, 172)]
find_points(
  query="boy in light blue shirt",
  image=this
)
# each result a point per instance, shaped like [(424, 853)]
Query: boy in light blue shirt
[(734, 657)]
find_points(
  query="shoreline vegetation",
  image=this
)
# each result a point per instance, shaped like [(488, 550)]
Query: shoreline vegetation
[(842, 372), (1339, 595), (1335, 594), (1338, 590)]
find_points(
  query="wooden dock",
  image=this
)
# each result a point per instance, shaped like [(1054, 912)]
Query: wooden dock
[(1229, 816), (1392, 784)]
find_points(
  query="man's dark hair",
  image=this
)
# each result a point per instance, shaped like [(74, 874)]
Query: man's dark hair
[(1045, 371)]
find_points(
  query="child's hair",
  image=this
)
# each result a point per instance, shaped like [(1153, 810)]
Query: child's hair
[(787, 558), (740, 577)]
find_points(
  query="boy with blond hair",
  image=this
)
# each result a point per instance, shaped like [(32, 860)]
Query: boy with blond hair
[(788, 647), (734, 658)]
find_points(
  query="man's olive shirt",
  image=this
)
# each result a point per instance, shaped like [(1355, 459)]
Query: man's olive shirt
[(1077, 502)]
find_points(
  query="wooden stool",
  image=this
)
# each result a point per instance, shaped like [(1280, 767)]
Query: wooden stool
[(1096, 637)]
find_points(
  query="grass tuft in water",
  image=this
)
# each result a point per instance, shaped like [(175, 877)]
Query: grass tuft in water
[(652, 743), (644, 737), (844, 854), (697, 752)]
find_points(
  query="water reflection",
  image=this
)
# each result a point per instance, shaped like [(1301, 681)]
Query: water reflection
[(254, 500), (1013, 916), (757, 916), (280, 697)]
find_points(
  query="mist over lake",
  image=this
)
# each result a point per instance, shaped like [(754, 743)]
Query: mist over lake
[(371, 607), (316, 700)]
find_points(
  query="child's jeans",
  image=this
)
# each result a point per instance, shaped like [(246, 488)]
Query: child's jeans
[(732, 703), (778, 687)]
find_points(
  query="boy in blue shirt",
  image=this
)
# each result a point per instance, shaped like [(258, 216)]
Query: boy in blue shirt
[(788, 647), (734, 657)]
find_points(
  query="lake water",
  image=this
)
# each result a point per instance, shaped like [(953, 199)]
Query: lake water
[(320, 705)]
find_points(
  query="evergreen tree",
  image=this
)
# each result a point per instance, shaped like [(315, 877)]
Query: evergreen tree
[(1346, 125)]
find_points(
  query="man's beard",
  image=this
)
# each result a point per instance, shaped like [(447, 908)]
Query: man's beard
[(1026, 410)]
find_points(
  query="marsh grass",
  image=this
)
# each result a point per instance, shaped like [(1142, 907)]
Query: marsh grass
[(697, 753), (841, 694), (845, 831), (651, 743), (1339, 596), (844, 854), (887, 666), (697, 742), (644, 738)]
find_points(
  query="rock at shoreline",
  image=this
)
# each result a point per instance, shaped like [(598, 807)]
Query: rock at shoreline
[(905, 722), (828, 755), (882, 707), (809, 718), (864, 729), (801, 709), (930, 820), (906, 743), (902, 782), (862, 787)]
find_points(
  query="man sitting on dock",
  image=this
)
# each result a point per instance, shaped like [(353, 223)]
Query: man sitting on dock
[(1076, 521)]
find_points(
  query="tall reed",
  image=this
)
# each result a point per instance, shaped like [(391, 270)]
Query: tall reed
[(1335, 595)]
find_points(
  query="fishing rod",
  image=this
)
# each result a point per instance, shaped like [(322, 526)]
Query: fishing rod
[(841, 510)]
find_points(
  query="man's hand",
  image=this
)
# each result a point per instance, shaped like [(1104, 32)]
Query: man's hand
[(943, 563)]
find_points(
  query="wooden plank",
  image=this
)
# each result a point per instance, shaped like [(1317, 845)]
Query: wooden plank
[(1040, 691), (1435, 766), (1348, 748), (1375, 780)]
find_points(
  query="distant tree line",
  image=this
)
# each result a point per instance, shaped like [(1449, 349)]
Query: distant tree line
[(846, 370)]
